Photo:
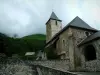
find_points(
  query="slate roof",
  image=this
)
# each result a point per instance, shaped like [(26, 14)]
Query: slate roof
[(91, 38), (54, 17), (77, 23)]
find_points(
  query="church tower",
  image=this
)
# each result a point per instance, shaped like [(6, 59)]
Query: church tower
[(53, 26)]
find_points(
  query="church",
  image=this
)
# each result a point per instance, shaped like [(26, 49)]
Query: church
[(77, 41)]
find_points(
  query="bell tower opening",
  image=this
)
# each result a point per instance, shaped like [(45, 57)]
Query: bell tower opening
[(90, 53)]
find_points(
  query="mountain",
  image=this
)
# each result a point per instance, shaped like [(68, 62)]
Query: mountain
[(36, 36), (31, 43)]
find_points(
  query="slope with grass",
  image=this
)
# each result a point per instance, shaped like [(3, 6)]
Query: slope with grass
[(20, 46)]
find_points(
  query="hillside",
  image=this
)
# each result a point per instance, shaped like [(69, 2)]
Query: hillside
[(20, 46), (36, 36)]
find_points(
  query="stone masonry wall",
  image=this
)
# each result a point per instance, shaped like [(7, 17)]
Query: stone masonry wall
[(62, 65), (13, 66), (55, 28), (52, 29), (78, 36), (49, 71), (48, 32), (64, 44), (93, 65), (9, 66), (67, 47)]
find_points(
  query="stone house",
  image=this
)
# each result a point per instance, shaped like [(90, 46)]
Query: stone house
[(77, 41)]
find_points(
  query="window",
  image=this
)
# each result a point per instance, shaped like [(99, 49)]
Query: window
[(55, 45), (56, 22), (64, 42), (87, 33), (90, 53), (63, 56)]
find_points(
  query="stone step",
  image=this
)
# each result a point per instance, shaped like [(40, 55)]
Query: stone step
[(87, 73)]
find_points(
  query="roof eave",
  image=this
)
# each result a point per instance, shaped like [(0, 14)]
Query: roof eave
[(52, 19), (83, 28), (81, 44)]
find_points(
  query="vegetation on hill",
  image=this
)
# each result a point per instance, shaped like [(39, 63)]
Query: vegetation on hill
[(31, 43), (36, 36)]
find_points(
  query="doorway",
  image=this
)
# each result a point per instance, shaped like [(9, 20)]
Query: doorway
[(90, 53)]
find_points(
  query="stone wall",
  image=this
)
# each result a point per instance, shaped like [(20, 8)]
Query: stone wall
[(55, 28), (63, 44), (62, 65), (92, 65), (49, 71), (49, 67), (9, 66), (48, 32), (67, 46), (52, 29), (78, 36), (15, 66)]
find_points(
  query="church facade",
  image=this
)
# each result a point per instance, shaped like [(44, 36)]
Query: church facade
[(77, 41)]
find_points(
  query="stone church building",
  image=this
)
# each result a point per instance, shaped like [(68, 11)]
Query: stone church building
[(77, 41)]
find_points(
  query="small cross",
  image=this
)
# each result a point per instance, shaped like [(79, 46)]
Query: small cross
[(52, 9)]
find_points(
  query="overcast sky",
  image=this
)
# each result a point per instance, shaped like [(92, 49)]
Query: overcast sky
[(25, 17)]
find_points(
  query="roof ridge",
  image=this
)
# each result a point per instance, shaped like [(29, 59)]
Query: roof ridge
[(71, 21)]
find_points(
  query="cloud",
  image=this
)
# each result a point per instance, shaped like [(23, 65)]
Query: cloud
[(90, 12), (24, 17)]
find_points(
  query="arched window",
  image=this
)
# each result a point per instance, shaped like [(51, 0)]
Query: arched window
[(56, 22), (87, 33), (55, 45), (90, 53), (64, 42)]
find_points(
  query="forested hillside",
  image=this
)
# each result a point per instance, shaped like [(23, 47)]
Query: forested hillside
[(20, 46)]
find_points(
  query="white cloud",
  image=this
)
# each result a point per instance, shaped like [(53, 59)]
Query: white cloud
[(29, 16), (90, 10)]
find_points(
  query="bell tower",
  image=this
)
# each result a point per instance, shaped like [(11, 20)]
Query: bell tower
[(53, 26)]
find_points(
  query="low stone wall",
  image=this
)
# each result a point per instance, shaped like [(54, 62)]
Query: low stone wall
[(15, 67), (92, 65), (47, 67), (62, 65), (89, 66), (49, 71)]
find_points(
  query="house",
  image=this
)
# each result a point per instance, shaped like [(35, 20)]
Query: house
[(77, 41), (41, 55)]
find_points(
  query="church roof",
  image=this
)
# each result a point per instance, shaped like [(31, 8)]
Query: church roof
[(91, 38), (77, 23)]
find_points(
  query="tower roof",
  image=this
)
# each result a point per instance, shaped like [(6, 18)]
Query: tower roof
[(54, 17)]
